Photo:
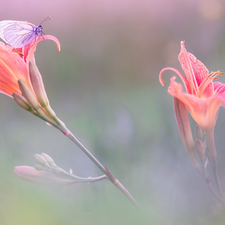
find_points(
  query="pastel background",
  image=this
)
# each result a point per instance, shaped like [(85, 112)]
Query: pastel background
[(104, 86)]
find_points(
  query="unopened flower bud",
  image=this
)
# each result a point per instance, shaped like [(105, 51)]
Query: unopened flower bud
[(29, 96), (39, 89), (38, 85), (41, 160), (200, 148), (198, 132), (50, 111), (41, 177), (184, 127), (21, 101), (39, 167), (49, 160)]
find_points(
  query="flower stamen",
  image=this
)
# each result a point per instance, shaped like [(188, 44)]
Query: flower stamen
[(18, 52), (212, 76)]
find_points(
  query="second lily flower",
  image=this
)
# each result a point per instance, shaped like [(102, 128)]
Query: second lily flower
[(203, 97)]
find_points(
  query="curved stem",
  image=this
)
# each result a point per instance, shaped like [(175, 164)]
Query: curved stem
[(69, 134), (90, 179), (90, 156), (102, 168), (60, 126), (59, 172)]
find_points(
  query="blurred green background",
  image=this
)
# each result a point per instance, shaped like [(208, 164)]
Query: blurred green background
[(104, 86)]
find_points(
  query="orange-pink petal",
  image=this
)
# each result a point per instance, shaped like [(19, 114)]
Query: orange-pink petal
[(196, 72), (218, 88), (203, 111), (183, 78), (184, 127), (30, 49), (188, 70), (12, 68)]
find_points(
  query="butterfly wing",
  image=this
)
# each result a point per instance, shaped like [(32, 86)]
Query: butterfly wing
[(3, 25), (17, 33)]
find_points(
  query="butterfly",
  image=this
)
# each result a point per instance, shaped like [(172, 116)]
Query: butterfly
[(20, 33)]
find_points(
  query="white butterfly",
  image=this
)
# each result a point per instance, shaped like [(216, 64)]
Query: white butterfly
[(19, 33)]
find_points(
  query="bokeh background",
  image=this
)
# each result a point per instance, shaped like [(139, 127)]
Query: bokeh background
[(104, 86)]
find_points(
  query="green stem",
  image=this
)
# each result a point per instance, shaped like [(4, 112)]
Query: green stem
[(102, 168), (215, 172), (209, 158), (90, 156), (69, 134), (212, 153), (89, 180), (124, 190), (209, 184), (211, 143), (60, 126)]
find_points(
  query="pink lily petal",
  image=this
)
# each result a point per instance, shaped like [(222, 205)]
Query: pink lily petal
[(12, 69), (30, 49), (183, 78), (195, 71), (203, 111), (14, 65), (219, 87)]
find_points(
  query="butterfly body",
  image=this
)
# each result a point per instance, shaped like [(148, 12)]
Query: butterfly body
[(38, 29), (19, 33)]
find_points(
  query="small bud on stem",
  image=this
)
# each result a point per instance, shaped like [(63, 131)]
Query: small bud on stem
[(38, 85), (198, 132), (200, 148), (39, 89), (41, 160), (49, 160), (21, 101), (29, 96)]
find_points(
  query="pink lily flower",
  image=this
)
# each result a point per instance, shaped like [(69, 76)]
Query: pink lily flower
[(21, 80), (202, 98), (14, 67)]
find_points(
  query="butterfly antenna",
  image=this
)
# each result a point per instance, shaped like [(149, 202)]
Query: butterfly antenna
[(46, 19)]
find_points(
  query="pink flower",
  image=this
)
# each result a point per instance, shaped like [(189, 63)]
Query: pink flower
[(20, 78), (14, 65), (203, 97)]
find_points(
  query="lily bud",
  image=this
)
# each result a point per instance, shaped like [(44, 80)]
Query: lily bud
[(39, 167), (41, 160), (50, 111), (184, 127), (29, 96), (21, 101), (198, 132), (200, 148), (38, 85), (39, 89), (49, 160), (41, 177)]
